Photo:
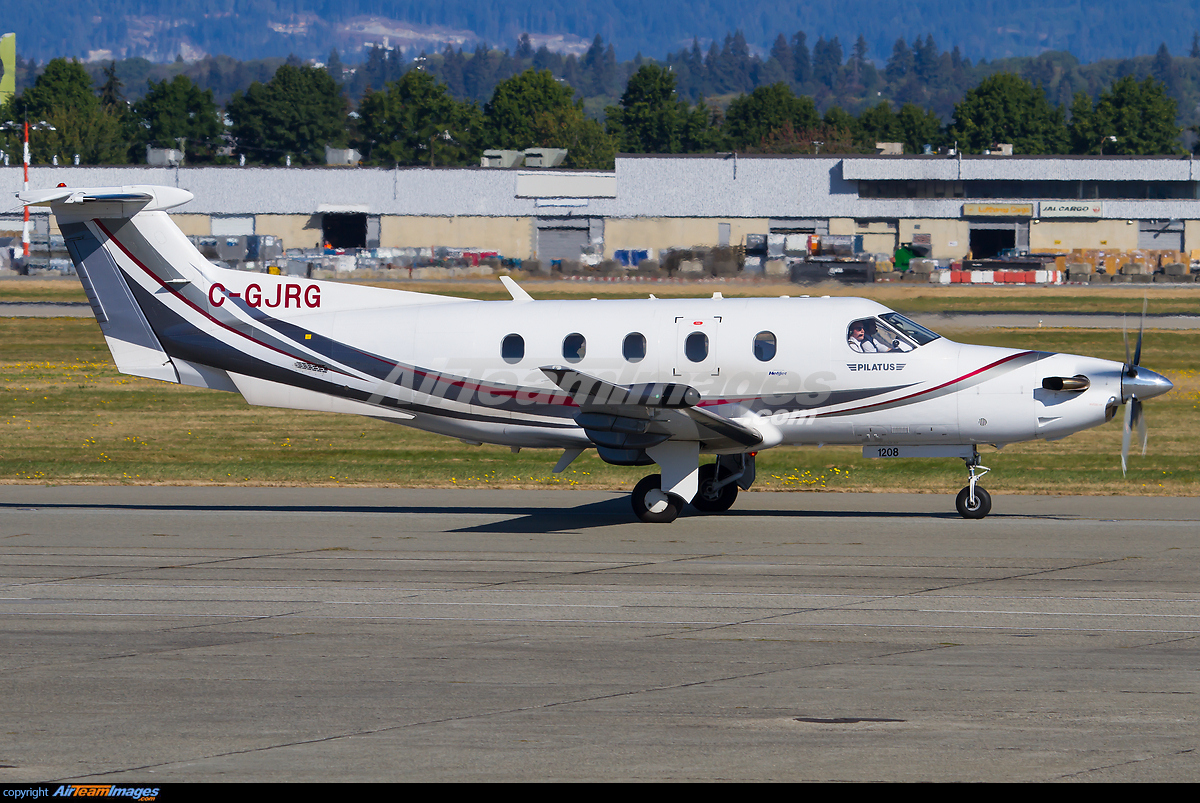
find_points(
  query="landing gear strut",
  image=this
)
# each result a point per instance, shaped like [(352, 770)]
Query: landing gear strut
[(714, 493), (974, 502)]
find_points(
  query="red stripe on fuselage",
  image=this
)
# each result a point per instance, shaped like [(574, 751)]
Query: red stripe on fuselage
[(185, 300), (553, 398), (933, 389)]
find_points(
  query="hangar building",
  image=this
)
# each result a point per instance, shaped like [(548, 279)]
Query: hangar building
[(957, 205)]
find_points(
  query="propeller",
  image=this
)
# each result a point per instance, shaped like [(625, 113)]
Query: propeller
[(1137, 384)]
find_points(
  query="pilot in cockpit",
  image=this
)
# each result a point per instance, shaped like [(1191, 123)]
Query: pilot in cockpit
[(864, 337), (877, 335)]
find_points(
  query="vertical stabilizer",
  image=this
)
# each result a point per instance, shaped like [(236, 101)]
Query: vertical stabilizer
[(88, 218), (134, 346)]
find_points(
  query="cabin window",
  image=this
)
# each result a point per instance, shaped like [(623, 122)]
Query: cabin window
[(634, 347), (574, 347), (512, 348), (696, 347), (764, 346)]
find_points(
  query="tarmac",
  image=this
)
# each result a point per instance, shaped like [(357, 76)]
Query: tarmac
[(181, 634)]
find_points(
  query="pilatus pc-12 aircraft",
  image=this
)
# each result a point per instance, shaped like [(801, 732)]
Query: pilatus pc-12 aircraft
[(646, 381)]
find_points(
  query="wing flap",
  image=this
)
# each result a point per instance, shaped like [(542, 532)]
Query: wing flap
[(722, 427)]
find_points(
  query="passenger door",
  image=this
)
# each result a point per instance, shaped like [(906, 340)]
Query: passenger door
[(696, 348)]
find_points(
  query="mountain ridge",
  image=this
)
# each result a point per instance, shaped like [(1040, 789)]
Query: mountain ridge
[(244, 29)]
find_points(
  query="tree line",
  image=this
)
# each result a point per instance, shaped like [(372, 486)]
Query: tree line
[(424, 112)]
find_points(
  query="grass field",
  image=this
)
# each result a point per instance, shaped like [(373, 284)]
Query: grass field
[(67, 416)]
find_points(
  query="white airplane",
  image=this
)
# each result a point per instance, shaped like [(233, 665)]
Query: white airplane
[(647, 381)]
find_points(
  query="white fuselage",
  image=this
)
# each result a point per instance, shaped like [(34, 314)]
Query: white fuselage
[(786, 368), (814, 389)]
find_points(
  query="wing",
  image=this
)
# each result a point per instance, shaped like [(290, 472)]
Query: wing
[(645, 415)]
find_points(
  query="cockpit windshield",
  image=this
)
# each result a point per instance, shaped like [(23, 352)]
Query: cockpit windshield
[(915, 332), (890, 332)]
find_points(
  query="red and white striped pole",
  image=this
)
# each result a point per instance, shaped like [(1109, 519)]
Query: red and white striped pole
[(25, 228)]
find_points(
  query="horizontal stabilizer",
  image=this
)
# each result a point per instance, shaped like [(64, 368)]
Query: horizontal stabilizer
[(146, 198)]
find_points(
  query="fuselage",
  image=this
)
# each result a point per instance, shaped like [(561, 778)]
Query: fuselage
[(471, 369), (794, 370)]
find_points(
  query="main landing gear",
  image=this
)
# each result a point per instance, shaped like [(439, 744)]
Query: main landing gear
[(716, 490), (654, 505), (974, 502)]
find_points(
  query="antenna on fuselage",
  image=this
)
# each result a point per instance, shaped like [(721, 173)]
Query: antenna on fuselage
[(514, 289)]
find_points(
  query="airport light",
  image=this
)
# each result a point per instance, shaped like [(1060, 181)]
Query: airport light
[(42, 126)]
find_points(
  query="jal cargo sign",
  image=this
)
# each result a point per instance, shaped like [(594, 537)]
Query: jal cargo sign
[(997, 210), (1071, 209)]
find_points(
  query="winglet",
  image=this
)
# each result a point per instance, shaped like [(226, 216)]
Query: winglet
[(514, 289)]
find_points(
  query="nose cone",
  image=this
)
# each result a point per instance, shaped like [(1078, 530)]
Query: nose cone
[(1144, 384)]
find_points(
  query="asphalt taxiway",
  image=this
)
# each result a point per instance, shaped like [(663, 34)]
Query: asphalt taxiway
[(276, 634)]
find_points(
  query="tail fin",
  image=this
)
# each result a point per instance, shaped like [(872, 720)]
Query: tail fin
[(110, 227), (168, 314)]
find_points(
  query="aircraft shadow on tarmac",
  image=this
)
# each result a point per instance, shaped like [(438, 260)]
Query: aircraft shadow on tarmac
[(604, 513), (616, 511)]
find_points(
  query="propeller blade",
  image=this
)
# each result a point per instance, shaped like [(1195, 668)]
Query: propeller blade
[(1125, 435), (1151, 385), (1137, 354), (1140, 417), (1125, 337)]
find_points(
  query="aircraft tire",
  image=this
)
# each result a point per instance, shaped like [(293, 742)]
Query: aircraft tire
[(983, 503), (708, 500), (641, 506)]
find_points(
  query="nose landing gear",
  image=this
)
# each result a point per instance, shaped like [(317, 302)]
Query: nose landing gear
[(974, 502)]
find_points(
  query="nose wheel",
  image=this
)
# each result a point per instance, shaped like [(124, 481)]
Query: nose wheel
[(974, 502), (973, 508)]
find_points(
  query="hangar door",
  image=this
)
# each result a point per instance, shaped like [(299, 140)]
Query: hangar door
[(232, 225), (562, 239), (344, 229), (990, 237), (1164, 235)]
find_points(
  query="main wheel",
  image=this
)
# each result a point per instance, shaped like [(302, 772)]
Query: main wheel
[(982, 506), (652, 504), (709, 499)]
